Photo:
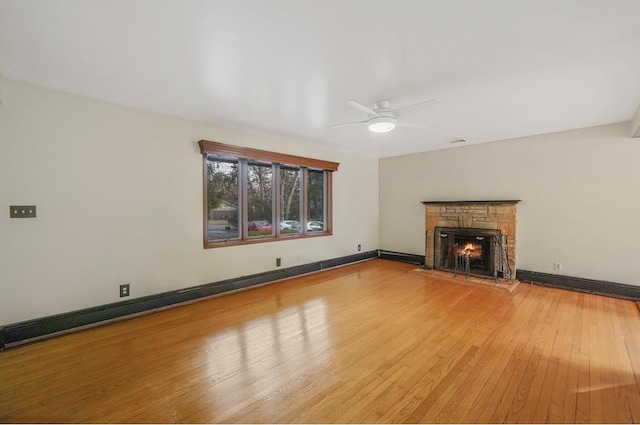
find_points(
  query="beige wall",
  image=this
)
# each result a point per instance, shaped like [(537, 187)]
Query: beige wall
[(119, 190), (579, 190), (119, 200)]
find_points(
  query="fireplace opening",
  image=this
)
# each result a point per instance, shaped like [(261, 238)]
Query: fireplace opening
[(468, 251)]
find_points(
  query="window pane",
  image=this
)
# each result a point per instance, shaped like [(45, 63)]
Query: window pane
[(315, 201), (260, 199), (222, 199), (290, 200)]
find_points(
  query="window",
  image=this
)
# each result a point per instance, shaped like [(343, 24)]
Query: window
[(316, 201), (223, 198), (290, 200), (255, 196), (260, 199)]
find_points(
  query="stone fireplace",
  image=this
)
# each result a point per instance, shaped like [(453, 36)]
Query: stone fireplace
[(472, 237)]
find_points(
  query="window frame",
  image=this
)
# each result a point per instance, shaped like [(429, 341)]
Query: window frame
[(244, 156)]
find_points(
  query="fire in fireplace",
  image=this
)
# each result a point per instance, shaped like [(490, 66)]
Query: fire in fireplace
[(469, 251)]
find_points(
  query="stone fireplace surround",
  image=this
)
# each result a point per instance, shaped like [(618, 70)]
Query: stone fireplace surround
[(483, 215)]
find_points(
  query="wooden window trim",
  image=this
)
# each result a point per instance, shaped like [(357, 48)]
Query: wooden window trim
[(216, 148), (249, 154)]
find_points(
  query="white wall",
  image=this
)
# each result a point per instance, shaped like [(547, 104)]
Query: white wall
[(579, 190), (119, 200)]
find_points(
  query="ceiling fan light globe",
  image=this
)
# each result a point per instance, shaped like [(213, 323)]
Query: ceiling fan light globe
[(382, 124)]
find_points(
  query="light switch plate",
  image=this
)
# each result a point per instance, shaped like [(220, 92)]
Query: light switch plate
[(22, 211)]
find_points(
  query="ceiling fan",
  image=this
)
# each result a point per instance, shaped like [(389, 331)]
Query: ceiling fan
[(381, 118)]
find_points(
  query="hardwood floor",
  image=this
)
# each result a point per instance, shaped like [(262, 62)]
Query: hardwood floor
[(370, 342)]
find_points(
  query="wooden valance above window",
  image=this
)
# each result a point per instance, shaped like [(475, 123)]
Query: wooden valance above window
[(216, 148)]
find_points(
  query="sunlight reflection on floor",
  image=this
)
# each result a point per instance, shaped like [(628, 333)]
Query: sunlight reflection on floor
[(290, 341)]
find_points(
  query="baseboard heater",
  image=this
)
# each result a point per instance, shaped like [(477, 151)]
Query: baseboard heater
[(401, 256), (592, 286), (31, 330)]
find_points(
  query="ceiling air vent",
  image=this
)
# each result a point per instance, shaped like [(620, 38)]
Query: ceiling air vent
[(459, 140)]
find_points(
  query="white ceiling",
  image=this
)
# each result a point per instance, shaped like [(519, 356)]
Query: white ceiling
[(501, 68)]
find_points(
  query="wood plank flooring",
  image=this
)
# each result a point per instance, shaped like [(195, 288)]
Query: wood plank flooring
[(373, 342)]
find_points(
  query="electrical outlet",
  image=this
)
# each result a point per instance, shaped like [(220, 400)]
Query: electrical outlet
[(278, 262), (359, 247), (557, 267), (124, 290)]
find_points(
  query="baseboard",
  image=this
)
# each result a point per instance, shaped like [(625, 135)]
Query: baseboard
[(401, 256), (600, 287), (19, 333)]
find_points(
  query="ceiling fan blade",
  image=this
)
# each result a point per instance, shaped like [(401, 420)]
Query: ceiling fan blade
[(362, 108), (412, 124), (345, 124), (417, 106)]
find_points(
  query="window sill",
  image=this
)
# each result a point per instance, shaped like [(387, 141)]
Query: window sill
[(236, 242)]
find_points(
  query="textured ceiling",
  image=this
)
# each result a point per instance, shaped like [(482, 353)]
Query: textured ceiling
[(500, 68)]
